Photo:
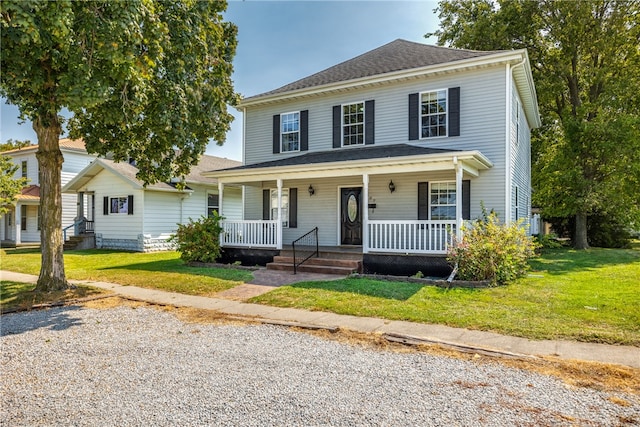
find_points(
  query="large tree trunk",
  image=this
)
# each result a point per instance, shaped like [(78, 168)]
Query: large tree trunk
[(580, 237), (52, 276)]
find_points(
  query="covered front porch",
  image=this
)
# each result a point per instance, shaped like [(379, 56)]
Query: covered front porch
[(403, 200)]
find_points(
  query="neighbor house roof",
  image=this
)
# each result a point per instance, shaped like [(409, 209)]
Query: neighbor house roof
[(128, 173), (65, 144), (29, 193)]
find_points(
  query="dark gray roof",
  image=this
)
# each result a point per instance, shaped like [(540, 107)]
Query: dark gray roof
[(349, 154), (395, 56)]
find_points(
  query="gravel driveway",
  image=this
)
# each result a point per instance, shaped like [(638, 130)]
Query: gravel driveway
[(124, 366)]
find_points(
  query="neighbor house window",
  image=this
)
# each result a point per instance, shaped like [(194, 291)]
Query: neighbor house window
[(23, 218), (290, 132), (119, 205), (23, 169), (285, 206), (38, 218), (443, 200), (433, 113), (353, 124), (213, 204)]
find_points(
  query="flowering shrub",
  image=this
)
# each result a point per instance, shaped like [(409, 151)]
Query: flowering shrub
[(492, 251), (199, 240)]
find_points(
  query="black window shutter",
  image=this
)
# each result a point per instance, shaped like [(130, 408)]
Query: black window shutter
[(130, 205), (337, 126), (266, 204), (276, 133), (423, 200), (293, 208), (454, 111), (369, 118), (105, 206), (466, 199), (304, 130), (414, 112)]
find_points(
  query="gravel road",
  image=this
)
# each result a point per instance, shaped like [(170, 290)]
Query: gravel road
[(144, 367)]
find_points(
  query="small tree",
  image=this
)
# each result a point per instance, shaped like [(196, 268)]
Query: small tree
[(9, 186), (199, 241), (492, 251)]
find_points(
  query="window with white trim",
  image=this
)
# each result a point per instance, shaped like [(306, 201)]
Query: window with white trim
[(353, 124), (213, 204), (119, 205), (442, 201), (433, 114), (23, 169), (285, 206), (290, 132)]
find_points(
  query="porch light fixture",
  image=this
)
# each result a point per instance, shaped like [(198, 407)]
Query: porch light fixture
[(392, 186), (311, 190)]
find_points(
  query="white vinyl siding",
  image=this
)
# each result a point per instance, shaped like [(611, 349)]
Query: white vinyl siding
[(106, 184), (520, 163)]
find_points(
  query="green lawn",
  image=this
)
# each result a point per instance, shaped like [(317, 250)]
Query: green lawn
[(589, 296), (160, 270)]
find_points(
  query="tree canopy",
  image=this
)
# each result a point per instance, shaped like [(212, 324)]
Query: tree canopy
[(146, 80), (586, 65)]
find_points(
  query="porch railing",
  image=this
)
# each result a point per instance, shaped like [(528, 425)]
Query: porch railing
[(411, 236), (307, 246), (243, 233)]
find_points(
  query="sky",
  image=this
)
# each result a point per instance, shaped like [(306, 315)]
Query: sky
[(280, 42)]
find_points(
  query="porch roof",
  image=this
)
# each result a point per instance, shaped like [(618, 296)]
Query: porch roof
[(396, 158)]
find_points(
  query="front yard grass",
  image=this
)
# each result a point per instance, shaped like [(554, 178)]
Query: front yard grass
[(158, 270), (591, 296)]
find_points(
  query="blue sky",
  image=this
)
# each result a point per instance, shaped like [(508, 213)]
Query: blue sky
[(282, 41)]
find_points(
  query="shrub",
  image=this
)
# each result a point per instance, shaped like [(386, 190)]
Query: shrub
[(199, 240), (492, 251), (548, 241)]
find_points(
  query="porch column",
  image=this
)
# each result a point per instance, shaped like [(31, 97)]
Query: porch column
[(365, 213), (220, 194), (458, 166), (17, 223), (279, 225)]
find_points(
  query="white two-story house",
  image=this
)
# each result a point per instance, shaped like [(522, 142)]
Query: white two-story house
[(386, 154), (21, 224)]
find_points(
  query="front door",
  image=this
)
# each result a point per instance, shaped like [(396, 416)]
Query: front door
[(351, 216)]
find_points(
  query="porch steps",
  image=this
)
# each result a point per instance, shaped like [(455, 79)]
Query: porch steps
[(83, 241), (327, 263)]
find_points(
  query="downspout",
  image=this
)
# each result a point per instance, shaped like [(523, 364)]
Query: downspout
[(508, 178)]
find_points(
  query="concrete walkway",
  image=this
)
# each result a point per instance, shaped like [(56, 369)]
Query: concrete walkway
[(485, 342)]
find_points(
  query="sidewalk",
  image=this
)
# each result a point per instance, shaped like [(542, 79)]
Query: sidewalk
[(485, 342)]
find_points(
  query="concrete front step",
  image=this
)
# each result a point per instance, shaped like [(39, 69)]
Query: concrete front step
[(328, 253)]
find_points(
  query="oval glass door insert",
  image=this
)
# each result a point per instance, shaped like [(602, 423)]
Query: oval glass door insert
[(352, 208)]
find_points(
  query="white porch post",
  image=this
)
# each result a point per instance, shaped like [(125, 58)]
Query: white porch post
[(279, 225), (220, 197), (17, 223), (365, 213), (458, 166)]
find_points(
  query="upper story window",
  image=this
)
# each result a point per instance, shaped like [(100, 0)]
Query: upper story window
[(290, 132), (433, 114), (23, 169), (353, 124)]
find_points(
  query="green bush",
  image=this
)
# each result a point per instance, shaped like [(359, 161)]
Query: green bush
[(548, 241), (199, 240), (492, 251)]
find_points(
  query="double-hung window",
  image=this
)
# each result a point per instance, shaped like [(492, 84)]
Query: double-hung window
[(433, 113), (442, 201), (285, 206), (213, 204), (23, 169), (290, 132), (353, 124)]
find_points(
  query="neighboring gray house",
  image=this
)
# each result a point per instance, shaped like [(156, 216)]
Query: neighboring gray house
[(127, 215), (21, 224), (386, 154)]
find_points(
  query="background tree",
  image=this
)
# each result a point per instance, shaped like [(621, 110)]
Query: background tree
[(144, 79), (12, 144), (585, 62), (9, 186)]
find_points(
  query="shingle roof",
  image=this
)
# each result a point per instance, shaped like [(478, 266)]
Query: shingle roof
[(360, 153), (65, 143), (30, 192), (395, 56)]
